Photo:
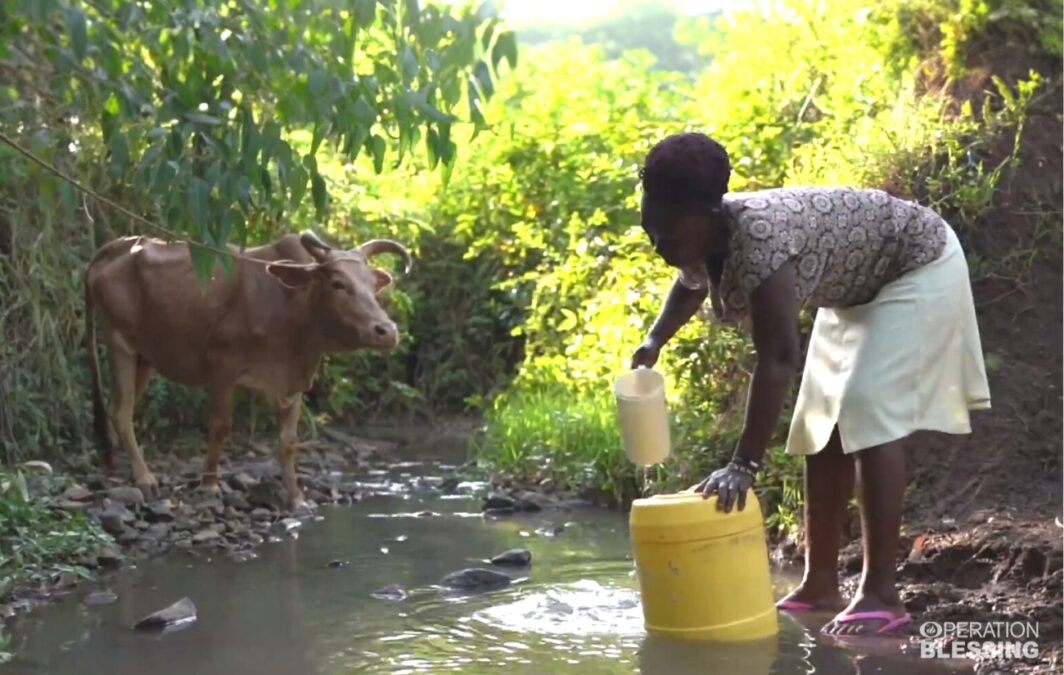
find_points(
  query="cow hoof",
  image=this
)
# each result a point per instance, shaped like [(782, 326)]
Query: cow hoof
[(149, 486), (212, 489)]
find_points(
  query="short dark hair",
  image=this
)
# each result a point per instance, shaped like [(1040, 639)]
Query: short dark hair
[(686, 169)]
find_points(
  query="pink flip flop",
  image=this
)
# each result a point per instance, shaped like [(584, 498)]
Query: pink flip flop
[(793, 606), (892, 621)]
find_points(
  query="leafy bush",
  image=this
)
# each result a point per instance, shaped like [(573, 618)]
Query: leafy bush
[(37, 540)]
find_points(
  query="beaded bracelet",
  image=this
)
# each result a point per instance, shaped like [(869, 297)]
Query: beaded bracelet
[(747, 466)]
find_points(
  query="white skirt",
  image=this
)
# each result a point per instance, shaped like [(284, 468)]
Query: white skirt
[(908, 360)]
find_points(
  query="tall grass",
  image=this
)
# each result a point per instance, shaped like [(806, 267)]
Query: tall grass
[(570, 438)]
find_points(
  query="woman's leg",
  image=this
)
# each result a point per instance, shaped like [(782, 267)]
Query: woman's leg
[(829, 477), (881, 489)]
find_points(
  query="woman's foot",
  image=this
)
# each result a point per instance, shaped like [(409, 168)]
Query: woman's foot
[(869, 614), (810, 598)]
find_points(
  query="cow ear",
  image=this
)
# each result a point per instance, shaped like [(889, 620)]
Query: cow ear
[(381, 280), (292, 275)]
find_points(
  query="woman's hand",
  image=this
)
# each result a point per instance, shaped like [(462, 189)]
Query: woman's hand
[(729, 484), (647, 354)]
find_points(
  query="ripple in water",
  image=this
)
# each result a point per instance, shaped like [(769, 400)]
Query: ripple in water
[(583, 608)]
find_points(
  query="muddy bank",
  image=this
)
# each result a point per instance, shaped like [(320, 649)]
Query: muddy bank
[(983, 570)]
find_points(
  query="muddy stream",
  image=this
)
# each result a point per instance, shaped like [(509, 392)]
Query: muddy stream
[(303, 604)]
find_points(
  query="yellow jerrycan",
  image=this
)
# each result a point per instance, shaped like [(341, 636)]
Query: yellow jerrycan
[(703, 574)]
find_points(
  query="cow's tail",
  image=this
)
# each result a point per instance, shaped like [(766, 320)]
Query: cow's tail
[(100, 422)]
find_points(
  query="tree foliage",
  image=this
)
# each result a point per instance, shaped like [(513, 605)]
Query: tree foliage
[(194, 101)]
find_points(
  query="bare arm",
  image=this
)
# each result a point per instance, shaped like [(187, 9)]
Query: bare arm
[(774, 314), (681, 304)]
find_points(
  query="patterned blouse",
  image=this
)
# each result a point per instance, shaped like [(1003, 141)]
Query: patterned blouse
[(846, 244)]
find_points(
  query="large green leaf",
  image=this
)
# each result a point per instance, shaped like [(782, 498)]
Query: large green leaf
[(505, 48), (377, 147), (79, 35), (202, 263), (364, 12), (321, 195)]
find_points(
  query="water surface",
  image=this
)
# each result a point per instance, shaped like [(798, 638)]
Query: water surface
[(287, 612)]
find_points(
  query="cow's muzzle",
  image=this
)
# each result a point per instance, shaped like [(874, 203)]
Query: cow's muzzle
[(383, 335)]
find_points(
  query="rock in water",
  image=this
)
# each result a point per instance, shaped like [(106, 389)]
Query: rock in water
[(515, 557), (392, 592), (181, 612), (97, 598), (475, 579), (499, 501), (109, 556)]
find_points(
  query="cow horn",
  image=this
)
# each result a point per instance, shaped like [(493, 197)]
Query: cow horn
[(375, 246), (311, 240)]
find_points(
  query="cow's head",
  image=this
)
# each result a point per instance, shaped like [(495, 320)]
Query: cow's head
[(344, 290)]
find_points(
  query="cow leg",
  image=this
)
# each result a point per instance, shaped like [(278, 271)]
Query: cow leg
[(123, 400), (288, 415), (221, 422), (144, 375)]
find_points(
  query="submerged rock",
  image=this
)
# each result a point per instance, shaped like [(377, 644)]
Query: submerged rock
[(101, 597), (337, 563), (550, 531), (515, 557), (499, 501), (243, 555), (475, 579), (286, 525), (181, 612), (392, 592), (532, 501)]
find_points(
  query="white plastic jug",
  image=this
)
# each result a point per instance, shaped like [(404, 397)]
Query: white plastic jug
[(643, 416)]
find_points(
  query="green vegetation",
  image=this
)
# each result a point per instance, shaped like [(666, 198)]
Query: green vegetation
[(826, 94), (39, 541), (515, 187)]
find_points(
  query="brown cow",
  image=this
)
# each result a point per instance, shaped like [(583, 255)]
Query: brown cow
[(266, 329)]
